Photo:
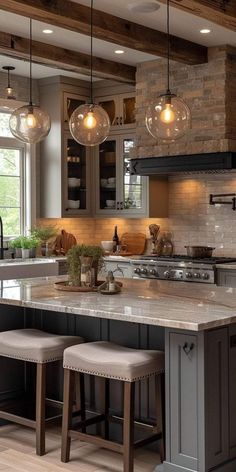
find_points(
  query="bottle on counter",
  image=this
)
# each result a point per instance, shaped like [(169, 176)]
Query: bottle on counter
[(115, 240)]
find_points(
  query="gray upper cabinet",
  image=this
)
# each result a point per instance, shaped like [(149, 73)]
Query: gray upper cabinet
[(117, 191), (65, 171), (79, 181)]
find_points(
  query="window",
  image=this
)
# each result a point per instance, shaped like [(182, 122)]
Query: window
[(12, 156)]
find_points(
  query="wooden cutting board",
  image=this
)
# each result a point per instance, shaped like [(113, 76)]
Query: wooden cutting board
[(64, 242), (134, 242)]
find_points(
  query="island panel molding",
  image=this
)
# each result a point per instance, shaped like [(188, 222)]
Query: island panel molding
[(220, 12), (76, 17), (66, 59)]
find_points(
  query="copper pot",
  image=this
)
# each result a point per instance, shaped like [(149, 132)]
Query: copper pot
[(199, 251)]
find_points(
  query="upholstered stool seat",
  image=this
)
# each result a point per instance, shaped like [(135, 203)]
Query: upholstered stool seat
[(40, 348), (112, 361), (33, 345)]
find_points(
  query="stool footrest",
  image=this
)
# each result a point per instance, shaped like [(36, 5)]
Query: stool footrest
[(90, 421), (17, 419), (148, 440), (96, 440)]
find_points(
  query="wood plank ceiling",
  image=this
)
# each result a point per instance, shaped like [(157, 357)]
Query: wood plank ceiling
[(75, 17)]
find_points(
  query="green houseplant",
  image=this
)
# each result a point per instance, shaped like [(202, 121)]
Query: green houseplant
[(16, 245), (28, 245), (44, 234), (75, 258)]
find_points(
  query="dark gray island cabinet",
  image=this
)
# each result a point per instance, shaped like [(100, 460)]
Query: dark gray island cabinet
[(195, 325)]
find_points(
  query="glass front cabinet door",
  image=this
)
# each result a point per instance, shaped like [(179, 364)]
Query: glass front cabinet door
[(120, 109), (77, 178), (118, 192), (71, 102)]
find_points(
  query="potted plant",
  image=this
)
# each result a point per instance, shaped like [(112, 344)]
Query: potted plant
[(82, 259), (16, 245), (44, 234), (28, 246)]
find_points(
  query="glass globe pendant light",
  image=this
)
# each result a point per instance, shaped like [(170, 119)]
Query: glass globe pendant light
[(9, 91), (168, 118), (89, 123), (30, 123)]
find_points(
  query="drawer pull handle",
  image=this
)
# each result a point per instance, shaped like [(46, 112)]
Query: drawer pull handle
[(188, 348)]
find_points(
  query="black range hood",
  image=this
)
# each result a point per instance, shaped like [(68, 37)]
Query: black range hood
[(211, 162)]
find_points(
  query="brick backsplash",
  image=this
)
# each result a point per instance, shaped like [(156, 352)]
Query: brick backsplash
[(193, 221), (95, 230)]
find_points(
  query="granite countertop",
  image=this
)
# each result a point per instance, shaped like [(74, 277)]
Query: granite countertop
[(35, 260), (229, 266), (179, 305)]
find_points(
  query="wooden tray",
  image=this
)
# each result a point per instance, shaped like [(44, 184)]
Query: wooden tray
[(65, 287)]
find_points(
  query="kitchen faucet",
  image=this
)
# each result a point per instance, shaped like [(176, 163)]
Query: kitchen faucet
[(1, 240)]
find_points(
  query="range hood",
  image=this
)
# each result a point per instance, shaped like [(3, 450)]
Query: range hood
[(211, 162)]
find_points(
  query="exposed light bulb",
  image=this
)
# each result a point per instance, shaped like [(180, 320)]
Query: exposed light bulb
[(9, 92), (90, 121), (31, 121), (167, 115)]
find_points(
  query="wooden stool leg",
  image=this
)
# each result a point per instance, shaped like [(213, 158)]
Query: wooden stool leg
[(82, 399), (128, 427), (160, 409), (107, 405), (67, 414), (40, 409)]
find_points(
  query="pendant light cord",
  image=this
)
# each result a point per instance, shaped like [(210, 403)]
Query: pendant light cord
[(30, 59), (91, 52), (168, 46), (8, 79)]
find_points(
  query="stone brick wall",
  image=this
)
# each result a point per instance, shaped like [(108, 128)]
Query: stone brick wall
[(210, 92)]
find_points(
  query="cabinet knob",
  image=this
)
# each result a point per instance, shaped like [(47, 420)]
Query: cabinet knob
[(188, 348), (121, 205), (118, 205), (121, 120)]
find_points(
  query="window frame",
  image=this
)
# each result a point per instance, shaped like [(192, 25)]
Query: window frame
[(28, 171), (12, 143)]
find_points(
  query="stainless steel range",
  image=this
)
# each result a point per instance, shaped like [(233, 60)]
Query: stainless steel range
[(178, 267)]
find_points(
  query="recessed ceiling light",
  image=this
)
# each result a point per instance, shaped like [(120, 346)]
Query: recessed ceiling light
[(205, 31), (143, 7), (47, 31), (119, 51)]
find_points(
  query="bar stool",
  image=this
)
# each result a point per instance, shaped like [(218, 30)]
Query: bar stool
[(40, 348), (112, 361)]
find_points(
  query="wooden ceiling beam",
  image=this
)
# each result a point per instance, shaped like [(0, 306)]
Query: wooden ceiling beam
[(221, 12), (49, 55), (75, 17)]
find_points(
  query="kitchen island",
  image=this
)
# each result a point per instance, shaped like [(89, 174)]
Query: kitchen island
[(194, 323)]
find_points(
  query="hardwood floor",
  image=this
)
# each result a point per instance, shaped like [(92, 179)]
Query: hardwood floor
[(17, 454)]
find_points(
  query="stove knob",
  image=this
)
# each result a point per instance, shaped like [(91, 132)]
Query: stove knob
[(205, 276), (143, 271), (188, 275), (167, 274), (196, 275), (137, 270), (153, 272)]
